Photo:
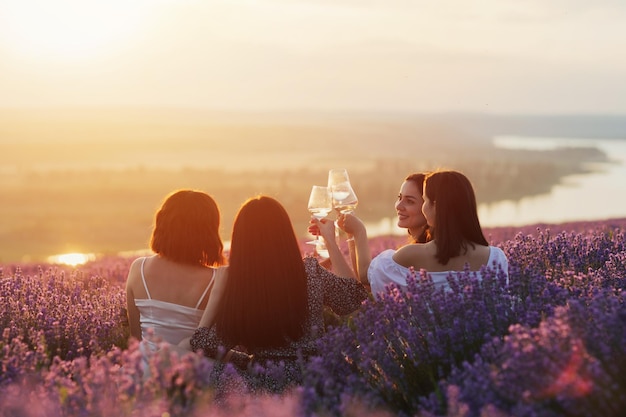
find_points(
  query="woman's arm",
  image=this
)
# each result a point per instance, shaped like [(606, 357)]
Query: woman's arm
[(204, 337), (131, 309), (358, 244), (339, 263), (215, 297), (210, 312)]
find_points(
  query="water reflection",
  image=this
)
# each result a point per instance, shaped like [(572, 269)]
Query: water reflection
[(384, 227), (593, 196), (71, 259)]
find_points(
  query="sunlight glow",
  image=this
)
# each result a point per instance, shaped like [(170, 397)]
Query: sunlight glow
[(72, 259), (65, 29)]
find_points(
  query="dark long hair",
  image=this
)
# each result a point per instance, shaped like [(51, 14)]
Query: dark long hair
[(424, 235), (456, 215), (265, 301), (186, 229)]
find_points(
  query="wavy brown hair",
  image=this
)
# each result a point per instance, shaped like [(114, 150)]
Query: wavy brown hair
[(456, 214), (265, 300), (186, 229)]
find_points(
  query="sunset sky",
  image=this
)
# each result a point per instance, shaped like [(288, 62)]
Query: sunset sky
[(501, 56)]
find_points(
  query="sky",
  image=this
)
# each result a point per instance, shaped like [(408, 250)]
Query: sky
[(493, 56)]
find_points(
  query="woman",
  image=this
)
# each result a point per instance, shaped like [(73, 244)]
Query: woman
[(409, 208), (457, 238), (167, 292), (409, 211), (269, 299)]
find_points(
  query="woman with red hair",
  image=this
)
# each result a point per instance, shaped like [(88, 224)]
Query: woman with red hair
[(166, 293)]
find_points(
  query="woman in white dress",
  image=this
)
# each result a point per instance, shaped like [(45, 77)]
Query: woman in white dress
[(456, 238), (166, 293), (408, 207)]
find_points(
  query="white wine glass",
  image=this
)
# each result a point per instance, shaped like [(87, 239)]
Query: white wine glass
[(320, 204), (344, 199), (337, 176)]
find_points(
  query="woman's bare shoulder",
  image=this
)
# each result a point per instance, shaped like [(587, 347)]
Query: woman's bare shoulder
[(413, 248), (221, 276), (136, 264), (221, 272), (135, 268), (408, 255)]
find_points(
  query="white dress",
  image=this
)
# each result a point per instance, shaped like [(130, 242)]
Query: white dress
[(383, 270), (167, 322)]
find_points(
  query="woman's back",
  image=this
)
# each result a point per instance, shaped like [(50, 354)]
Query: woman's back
[(170, 281), (170, 297), (324, 289)]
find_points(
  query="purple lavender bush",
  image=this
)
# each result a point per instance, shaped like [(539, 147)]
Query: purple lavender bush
[(572, 364), (68, 316), (567, 258), (549, 342), (123, 383), (395, 352)]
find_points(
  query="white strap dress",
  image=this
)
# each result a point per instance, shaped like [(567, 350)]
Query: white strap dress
[(162, 321)]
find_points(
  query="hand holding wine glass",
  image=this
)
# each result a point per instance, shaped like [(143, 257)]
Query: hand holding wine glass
[(344, 199), (320, 204)]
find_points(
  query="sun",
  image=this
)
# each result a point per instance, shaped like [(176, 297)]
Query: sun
[(62, 29)]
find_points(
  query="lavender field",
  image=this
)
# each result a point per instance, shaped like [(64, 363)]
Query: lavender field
[(549, 342)]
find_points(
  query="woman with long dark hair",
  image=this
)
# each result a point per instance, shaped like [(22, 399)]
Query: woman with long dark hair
[(269, 300), (457, 239)]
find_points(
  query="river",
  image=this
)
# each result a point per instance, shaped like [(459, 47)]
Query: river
[(597, 195)]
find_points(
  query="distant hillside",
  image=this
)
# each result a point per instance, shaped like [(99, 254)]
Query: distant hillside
[(90, 180)]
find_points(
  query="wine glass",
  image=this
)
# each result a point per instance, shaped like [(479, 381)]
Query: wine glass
[(344, 199), (320, 204), (337, 176)]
